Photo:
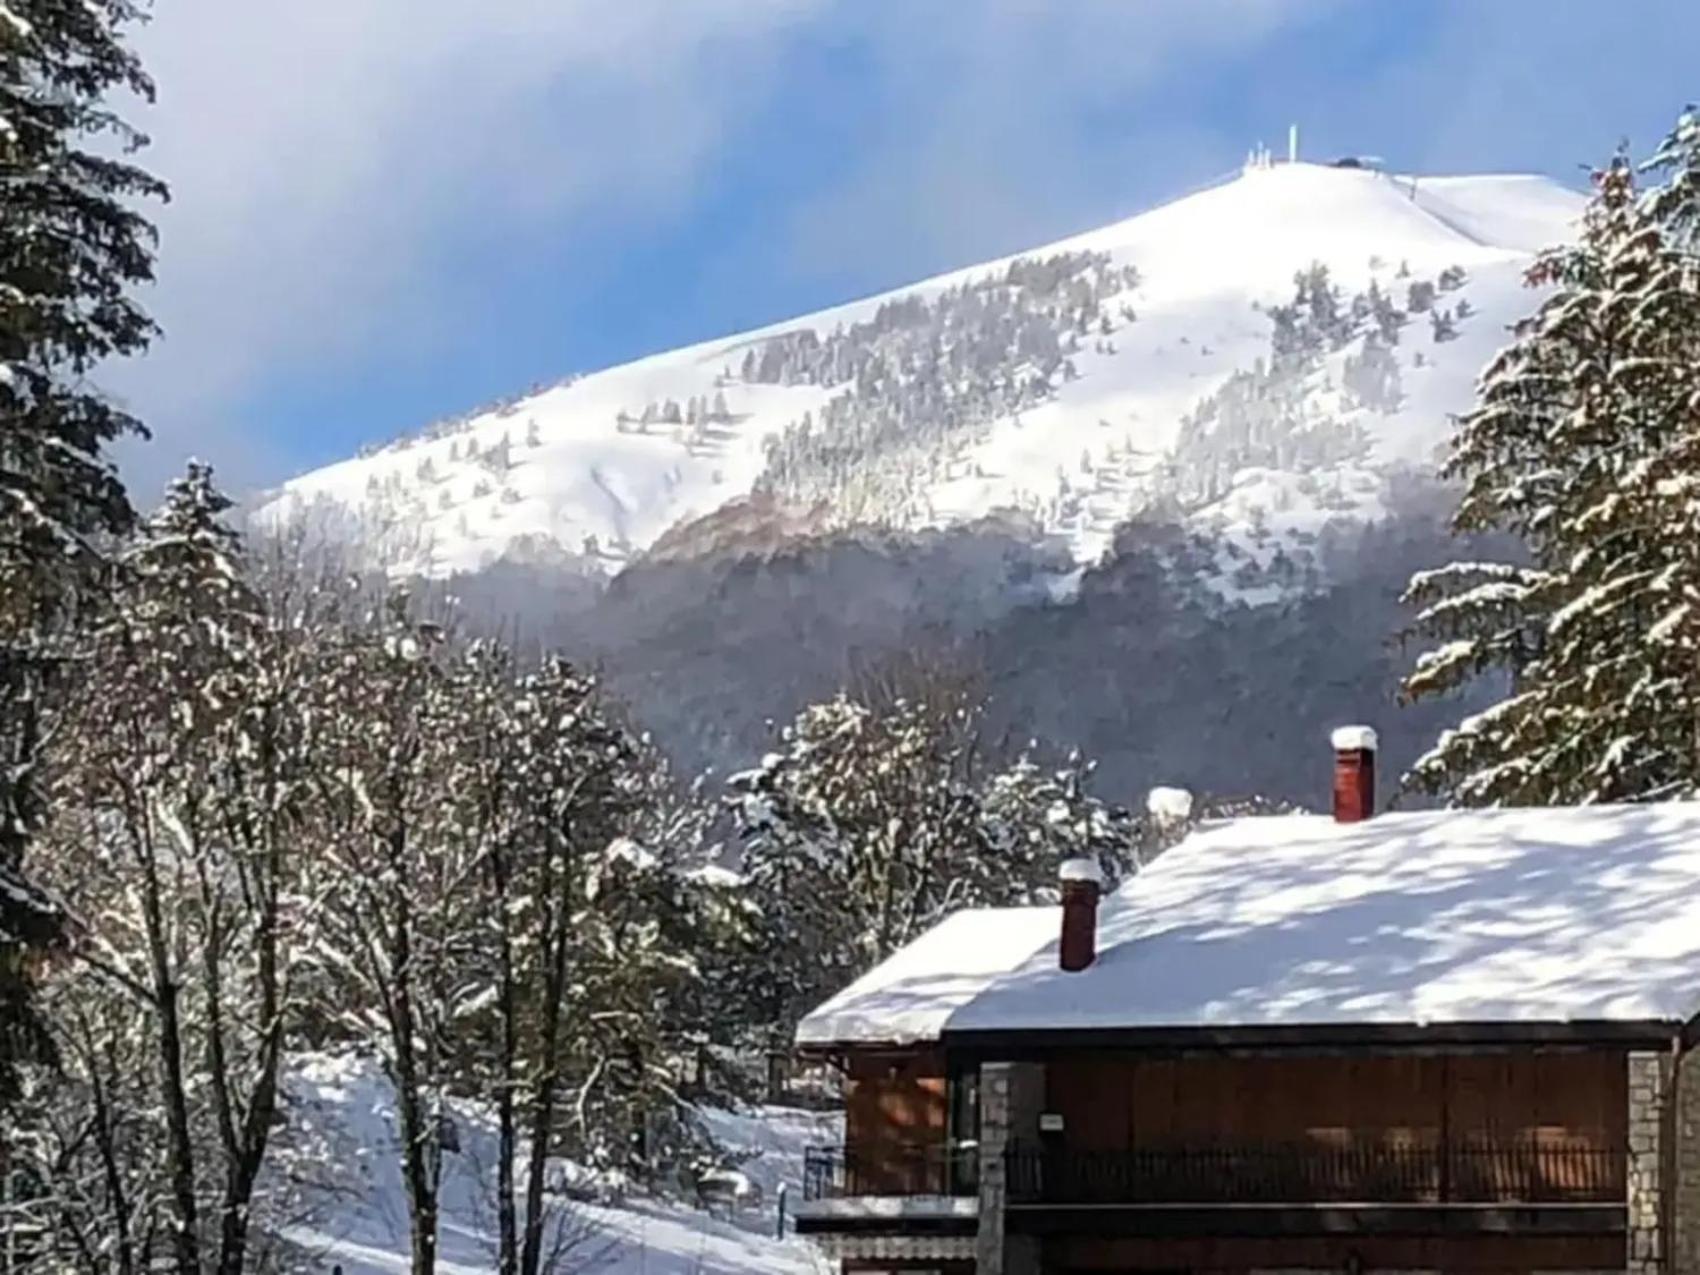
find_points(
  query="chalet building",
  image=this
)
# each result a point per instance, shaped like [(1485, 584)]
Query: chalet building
[(1449, 1041)]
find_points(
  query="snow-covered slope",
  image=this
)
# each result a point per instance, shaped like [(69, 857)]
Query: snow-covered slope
[(356, 1216), (1059, 382)]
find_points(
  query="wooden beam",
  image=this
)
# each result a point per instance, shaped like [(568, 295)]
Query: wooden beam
[(1168, 1220), (1039, 1043)]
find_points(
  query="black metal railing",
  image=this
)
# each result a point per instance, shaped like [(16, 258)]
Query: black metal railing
[(1476, 1171), (831, 1173)]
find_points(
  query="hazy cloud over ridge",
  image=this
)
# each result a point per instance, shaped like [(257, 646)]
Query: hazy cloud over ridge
[(324, 156)]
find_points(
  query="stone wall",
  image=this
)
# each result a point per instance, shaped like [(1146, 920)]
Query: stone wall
[(1684, 1162), (1011, 1096), (1664, 1164), (1649, 1075)]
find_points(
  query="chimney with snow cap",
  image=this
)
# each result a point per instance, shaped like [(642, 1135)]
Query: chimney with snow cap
[(1169, 805), (1082, 882), (1354, 773)]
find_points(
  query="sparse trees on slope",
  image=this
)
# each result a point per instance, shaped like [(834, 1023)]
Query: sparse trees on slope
[(922, 376), (1581, 445)]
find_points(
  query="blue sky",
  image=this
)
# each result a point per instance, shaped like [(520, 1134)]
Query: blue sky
[(387, 211)]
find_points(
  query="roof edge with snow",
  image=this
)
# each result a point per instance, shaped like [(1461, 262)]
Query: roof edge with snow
[(1571, 925)]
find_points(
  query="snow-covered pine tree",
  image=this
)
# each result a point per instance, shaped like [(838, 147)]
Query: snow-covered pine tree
[(1035, 817), (1577, 448), (72, 241), (1674, 202), (1665, 492)]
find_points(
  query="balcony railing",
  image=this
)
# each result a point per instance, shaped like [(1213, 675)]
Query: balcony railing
[(1468, 1172), (831, 1173)]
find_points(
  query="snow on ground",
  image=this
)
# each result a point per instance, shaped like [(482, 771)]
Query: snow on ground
[(768, 1144), (1207, 262), (346, 1107)]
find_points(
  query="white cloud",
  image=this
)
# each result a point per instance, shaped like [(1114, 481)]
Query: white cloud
[(325, 156)]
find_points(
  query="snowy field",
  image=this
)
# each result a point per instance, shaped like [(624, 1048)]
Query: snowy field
[(359, 1221)]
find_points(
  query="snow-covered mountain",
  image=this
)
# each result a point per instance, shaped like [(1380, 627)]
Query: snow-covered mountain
[(1189, 360)]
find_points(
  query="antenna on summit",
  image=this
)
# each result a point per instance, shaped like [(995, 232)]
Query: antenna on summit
[(1292, 143), (1257, 157)]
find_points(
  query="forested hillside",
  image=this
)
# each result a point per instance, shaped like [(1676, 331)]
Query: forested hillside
[(1139, 661)]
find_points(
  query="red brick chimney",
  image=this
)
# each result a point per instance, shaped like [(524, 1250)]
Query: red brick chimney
[(1354, 773), (1082, 882)]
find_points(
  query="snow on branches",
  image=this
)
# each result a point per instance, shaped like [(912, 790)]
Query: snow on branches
[(1582, 445), (877, 816), (291, 812)]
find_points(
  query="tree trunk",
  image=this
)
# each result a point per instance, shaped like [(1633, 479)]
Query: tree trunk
[(112, 1175), (247, 1153), (507, 1133), (417, 1133), (179, 1145), (544, 1087), (417, 1137)]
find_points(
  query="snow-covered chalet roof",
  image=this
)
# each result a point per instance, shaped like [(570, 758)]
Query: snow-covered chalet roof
[(910, 996), (1566, 915)]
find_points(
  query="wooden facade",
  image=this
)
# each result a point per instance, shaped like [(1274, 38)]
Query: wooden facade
[(896, 1114), (1447, 1255), (895, 1098), (1116, 1107), (1111, 1103)]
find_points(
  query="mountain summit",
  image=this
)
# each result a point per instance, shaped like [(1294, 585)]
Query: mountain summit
[(1253, 360)]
